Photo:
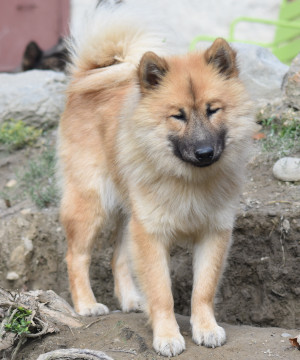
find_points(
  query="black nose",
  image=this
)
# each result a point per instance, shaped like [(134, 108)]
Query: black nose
[(204, 153)]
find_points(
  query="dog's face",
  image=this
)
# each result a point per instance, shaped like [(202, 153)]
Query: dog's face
[(193, 102)]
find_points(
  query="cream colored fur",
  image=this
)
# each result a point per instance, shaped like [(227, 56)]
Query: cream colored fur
[(117, 161)]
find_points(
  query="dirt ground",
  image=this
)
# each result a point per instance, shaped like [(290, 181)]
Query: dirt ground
[(260, 285), (128, 337)]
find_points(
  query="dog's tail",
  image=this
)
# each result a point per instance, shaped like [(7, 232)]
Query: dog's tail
[(107, 50)]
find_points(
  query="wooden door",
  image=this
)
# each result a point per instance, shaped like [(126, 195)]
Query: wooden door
[(22, 21)]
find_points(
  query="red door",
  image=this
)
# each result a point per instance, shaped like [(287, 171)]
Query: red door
[(22, 21)]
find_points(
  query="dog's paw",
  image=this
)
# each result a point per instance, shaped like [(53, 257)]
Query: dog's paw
[(209, 337), (169, 346), (93, 310), (132, 304)]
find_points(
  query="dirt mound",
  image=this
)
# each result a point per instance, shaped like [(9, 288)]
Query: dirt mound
[(260, 285)]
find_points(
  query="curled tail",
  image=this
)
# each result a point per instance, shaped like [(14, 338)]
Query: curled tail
[(107, 50)]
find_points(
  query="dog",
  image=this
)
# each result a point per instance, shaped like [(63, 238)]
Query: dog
[(158, 142), (55, 58)]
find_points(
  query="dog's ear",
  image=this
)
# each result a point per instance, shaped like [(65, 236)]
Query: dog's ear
[(151, 71), (222, 57), (31, 56)]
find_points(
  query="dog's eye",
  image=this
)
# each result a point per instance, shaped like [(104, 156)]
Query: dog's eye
[(211, 111), (180, 116)]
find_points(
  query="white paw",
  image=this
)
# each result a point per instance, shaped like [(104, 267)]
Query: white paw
[(169, 346), (209, 338), (131, 304), (93, 310)]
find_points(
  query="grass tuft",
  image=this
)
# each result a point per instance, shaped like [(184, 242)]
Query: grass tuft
[(282, 136), (16, 134)]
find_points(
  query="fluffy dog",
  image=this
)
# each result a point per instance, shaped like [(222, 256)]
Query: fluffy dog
[(159, 143)]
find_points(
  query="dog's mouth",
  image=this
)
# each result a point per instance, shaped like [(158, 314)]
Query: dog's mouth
[(196, 161), (200, 155)]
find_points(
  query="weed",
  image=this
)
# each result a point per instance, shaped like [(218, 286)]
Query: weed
[(283, 136), (19, 321), (16, 134), (39, 180)]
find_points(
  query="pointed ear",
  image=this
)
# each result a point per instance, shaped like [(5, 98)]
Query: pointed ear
[(31, 56), (151, 70), (222, 57)]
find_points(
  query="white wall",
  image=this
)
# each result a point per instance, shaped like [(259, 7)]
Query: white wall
[(78, 8), (189, 18)]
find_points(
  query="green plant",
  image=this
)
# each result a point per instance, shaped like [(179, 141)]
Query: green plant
[(19, 321), (16, 134), (282, 136), (39, 180)]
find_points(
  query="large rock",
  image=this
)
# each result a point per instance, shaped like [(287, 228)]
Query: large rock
[(292, 84), (36, 97), (261, 72)]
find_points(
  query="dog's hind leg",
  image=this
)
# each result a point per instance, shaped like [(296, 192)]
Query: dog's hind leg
[(82, 217), (209, 258), (124, 286)]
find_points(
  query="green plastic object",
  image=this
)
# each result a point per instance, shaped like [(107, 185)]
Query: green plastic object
[(286, 43)]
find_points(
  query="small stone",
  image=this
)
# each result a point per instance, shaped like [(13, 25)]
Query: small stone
[(297, 291), (25, 211), (11, 183), (264, 258), (286, 225), (287, 169), (285, 335), (12, 276), (28, 244)]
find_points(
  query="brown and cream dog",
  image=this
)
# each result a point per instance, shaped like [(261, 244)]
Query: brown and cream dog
[(160, 143)]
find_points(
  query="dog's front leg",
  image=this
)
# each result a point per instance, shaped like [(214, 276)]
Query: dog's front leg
[(209, 257), (150, 257)]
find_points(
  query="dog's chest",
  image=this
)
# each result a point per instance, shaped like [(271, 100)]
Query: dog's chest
[(170, 209)]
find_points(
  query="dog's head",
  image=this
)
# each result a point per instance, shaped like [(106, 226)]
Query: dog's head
[(195, 102)]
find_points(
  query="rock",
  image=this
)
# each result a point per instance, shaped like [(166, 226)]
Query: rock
[(286, 335), (287, 169), (28, 245), (25, 211), (261, 72), (35, 97), (11, 183), (12, 275), (291, 84)]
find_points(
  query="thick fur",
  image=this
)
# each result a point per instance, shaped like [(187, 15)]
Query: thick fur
[(133, 121)]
